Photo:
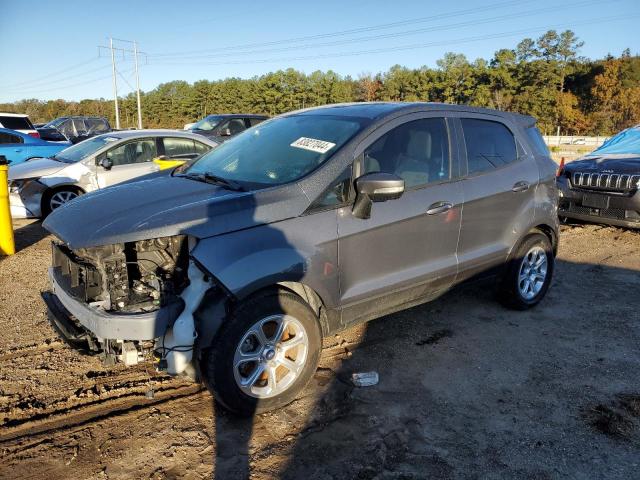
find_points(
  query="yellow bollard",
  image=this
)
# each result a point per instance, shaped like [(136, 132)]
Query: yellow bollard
[(7, 245)]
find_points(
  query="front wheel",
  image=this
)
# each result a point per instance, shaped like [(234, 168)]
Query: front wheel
[(528, 274), (58, 198), (264, 354)]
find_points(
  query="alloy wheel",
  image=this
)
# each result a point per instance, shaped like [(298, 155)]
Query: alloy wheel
[(532, 273), (270, 356), (60, 198)]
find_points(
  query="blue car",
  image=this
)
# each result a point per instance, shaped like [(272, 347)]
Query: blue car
[(19, 147)]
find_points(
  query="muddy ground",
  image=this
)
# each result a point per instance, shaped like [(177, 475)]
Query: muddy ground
[(467, 389)]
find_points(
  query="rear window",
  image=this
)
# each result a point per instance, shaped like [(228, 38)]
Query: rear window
[(537, 142), (16, 123), (489, 145)]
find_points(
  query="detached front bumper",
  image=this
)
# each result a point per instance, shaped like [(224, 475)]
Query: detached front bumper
[(610, 208)]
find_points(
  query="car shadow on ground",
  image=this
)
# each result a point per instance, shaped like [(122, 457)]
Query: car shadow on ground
[(27, 233), (488, 390)]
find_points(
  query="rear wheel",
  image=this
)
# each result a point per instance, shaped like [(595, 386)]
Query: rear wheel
[(57, 198), (265, 353), (528, 274)]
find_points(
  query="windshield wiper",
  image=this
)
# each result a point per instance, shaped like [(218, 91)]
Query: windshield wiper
[(211, 178)]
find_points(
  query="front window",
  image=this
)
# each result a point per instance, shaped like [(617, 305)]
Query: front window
[(278, 151), (207, 123), (84, 149)]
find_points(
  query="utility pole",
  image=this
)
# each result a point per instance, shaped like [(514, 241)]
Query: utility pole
[(124, 52), (115, 84), (135, 54)]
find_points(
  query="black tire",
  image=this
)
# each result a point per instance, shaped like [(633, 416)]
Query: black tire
[(509, 291), (46, 208), (218, 361)]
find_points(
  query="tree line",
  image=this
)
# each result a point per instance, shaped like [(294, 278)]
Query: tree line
[(543, 77)]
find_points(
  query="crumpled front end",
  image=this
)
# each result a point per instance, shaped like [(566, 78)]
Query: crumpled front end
[(122, 300)]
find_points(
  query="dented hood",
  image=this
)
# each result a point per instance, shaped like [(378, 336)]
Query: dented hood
[(606, 163), (166, 206), (35, 168)]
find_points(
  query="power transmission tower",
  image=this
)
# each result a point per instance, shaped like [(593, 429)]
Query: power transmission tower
[(124, 51)]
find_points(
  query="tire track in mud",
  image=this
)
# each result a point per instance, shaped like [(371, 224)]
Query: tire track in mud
[(52, 420)]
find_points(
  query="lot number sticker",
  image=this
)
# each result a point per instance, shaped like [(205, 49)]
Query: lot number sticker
[(312, 144)]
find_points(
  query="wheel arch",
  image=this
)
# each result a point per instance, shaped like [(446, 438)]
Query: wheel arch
[(48, 193)]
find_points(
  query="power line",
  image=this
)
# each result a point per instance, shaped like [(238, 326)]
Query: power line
[(54, 74), (350, 31), (87, 82), (395, 34), (57, 81), (409, 46)]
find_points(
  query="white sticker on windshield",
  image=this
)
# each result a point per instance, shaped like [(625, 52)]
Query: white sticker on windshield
[(111, 139), (313, 144)]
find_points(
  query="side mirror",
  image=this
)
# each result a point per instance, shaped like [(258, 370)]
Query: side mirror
[(375, 187), (225, 132), (106, 163)]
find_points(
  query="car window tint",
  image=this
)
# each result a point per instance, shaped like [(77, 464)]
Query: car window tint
[(16, 123), (489, 144), (178, 146), (7, 138), (235, 126), (255, 121), (416, 151), (133, 152), (201, 148)]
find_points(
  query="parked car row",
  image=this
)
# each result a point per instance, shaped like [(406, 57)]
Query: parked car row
[(38, 187), (234, 268)]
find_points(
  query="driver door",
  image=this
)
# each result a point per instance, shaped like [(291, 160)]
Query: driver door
[(129, 160), (405, 253)]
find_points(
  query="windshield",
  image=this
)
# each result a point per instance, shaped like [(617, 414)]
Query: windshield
[(207, 123), (278, 151), (82, 150)]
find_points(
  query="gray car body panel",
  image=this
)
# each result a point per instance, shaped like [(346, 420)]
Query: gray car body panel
[(249, 241)]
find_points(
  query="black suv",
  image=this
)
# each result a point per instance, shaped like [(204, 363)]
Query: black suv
[(74, 129), (222, 127)]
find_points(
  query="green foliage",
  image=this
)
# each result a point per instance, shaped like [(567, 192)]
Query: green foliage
[(544, 78)]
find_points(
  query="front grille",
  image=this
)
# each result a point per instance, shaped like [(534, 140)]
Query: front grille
[(615, 213), (611, 182)]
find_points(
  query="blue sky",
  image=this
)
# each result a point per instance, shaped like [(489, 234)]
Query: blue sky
[(49, 50)]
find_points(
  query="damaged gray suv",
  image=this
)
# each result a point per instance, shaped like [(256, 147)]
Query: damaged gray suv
[(234, 269)]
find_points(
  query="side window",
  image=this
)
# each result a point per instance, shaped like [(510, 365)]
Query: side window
[(489, 145), (255, 121), (7, 138), (416, 151), (336, 194), (174, 147), (133, 152), (235, 126), (201, 148)]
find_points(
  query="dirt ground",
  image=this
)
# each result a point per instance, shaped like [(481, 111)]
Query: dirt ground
[(467, 389)]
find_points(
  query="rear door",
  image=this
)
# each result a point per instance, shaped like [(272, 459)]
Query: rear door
[(13, 147), (130, 159), (499, 188), (406, 251)]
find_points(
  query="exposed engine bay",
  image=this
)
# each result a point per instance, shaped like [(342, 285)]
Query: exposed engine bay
[(132, 277)]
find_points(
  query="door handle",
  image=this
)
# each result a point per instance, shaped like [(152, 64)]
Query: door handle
[(520, 187), (18, 149), (439, 207)]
